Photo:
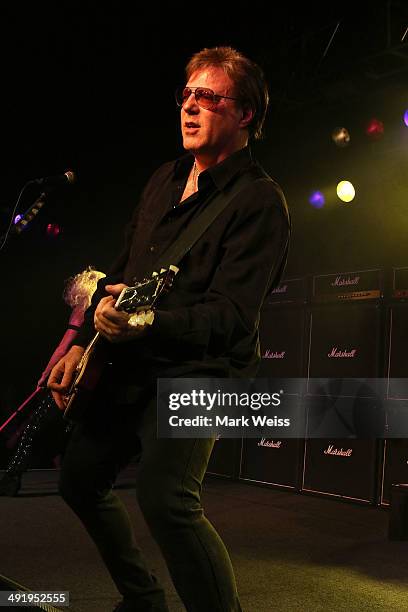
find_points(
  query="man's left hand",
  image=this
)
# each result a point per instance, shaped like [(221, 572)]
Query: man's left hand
[(113, 324)]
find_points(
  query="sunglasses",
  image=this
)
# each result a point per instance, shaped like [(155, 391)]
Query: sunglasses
[(204, 97)]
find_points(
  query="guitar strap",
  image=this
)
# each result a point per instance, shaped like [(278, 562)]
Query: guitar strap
[(215, 204)]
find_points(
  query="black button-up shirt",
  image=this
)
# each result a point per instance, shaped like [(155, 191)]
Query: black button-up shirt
[(207, 325)]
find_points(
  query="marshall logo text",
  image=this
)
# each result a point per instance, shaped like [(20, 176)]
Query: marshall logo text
[(335, 352), (268, 354), (270, 443), (331, 450), (344, 282), (280, 289)]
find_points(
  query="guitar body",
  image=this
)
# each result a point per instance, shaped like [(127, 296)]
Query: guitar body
[(141, 299), (87, 376)]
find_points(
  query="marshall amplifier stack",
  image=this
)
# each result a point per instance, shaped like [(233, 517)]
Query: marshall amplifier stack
[(277, 461), (338, 327), (345, 342), (395, 464)]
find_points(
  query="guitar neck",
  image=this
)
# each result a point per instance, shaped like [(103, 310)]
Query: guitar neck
[(91, 346)]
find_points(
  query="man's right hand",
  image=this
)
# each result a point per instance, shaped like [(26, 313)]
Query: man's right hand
[(62, 375)]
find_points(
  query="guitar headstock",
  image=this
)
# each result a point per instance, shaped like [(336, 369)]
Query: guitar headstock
[(143, 295), (168, 278)]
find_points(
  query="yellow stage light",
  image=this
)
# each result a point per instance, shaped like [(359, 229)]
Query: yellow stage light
[(346, 191)]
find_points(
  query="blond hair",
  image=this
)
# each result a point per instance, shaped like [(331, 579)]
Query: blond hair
[(80, 288)]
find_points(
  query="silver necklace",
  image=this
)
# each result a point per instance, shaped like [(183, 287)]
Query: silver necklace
[(195, 177)]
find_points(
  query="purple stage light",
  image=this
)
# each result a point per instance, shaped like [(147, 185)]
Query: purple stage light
[(316, 199), (406, 118)]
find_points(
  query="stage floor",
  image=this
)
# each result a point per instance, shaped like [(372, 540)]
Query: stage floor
[(290, 552)]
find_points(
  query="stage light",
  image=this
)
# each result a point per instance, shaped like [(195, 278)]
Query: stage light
[(341, 136), (53, 230), (316, 199), (406, 118), (17, 219), (375, 129), (345, 191)]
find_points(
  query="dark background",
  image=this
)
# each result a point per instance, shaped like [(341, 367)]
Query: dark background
[(90, 87)]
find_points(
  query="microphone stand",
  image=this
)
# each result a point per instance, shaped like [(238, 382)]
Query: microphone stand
[(29, 214), (26, 217)]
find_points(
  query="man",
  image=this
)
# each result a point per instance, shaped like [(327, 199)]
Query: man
[(46, 432), (207, 325)]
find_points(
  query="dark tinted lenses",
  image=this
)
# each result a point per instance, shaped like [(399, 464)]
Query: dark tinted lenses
[(204, 97)]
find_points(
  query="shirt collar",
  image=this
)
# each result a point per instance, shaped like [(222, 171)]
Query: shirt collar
[(220, 174)]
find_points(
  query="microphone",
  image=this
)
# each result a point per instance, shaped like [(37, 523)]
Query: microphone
[(68, 178), (46, 183)]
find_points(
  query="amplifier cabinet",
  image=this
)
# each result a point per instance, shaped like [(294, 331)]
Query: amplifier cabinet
[(345, 468), (360, 413), (289, 291), (274, 461), (282, 331), (225, 457), (344, 342), (397, 366), (344, 286), (394, 468)]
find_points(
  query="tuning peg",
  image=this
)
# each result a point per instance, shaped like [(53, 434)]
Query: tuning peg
[(144, 317), (149, 317), (174, 269), (155, 274), (163, 270)]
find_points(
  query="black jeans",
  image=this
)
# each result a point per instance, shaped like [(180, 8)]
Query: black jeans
[(168, 486)]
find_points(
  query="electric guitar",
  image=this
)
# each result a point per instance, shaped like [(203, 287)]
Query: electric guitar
[(140, 301)]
